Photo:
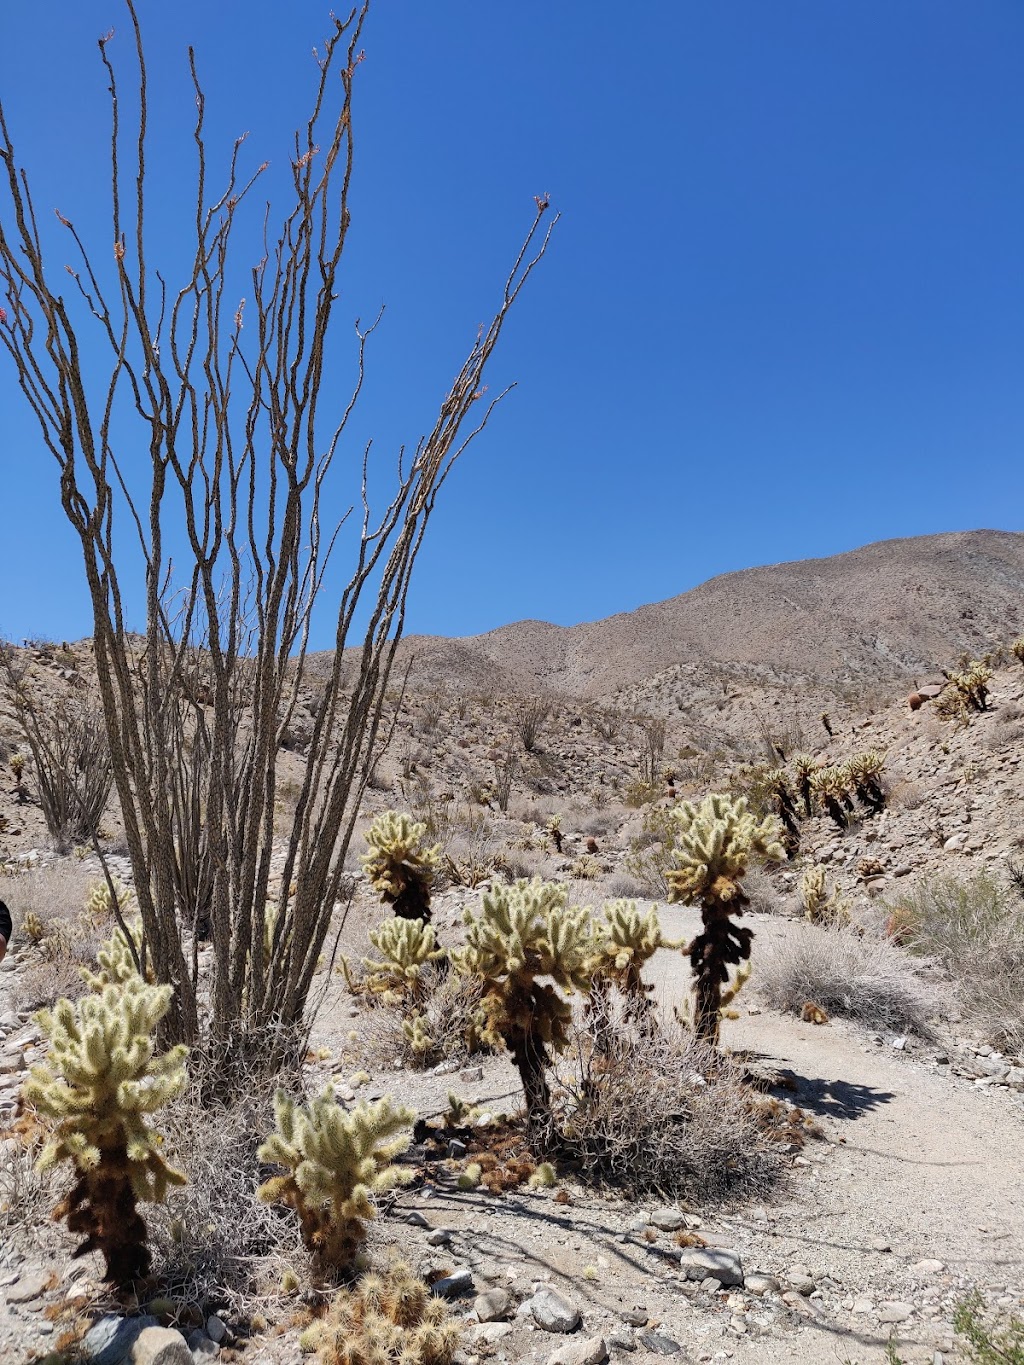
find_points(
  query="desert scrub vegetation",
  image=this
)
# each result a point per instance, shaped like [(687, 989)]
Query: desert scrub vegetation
[(852, 970), (663, 1114), (974, 927), (223, 443)]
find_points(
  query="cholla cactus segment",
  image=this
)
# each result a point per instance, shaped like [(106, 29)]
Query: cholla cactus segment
[(525, 945), (628, 939), (100, 1081), (33, 927), (972, 684), (336, 1162), (399, 865), (408, 947), (99, 904), (117, 965), (714, 844), (865, 770), (1017, 648), (388, 1319), (416, 1031), (813, 896)]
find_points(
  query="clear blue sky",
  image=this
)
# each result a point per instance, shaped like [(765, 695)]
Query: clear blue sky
[(783, 314)]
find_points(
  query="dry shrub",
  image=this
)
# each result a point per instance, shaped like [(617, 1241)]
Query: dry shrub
[(214, 1242), (448, 1007), (660, 1115), (906, 794), (56, 895), (26, 1197), (762, 891), (975, 928), (853, 970)]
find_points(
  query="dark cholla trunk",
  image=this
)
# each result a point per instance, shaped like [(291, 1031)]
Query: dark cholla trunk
[(101, 1205), (722, 944), (531, 1059), (413, 902)]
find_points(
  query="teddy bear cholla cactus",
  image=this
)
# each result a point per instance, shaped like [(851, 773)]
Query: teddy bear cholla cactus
[(100, 1081), (776, 783), (408, 947), (399, 865), (526, 945), (714, 844), (972, 684), (336, 1162), (390, 1317), (831, 786), (99, 903), (1017, 649), (865, 772), (626, 941)]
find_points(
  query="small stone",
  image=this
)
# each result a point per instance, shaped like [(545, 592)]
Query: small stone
[(621, 1341), (492, 1332), (204, 1349), (453, 1286), (160, 1346), (894, 1311), (880, 1244), (667, 1220), (660, 1345), (760, 1284), (710, 1285), (863, 1306), (28, 1287), (457, 1148), (929, 1266), (801, 1280), (493, 1305), (471, 1074), (216, 1328), (552, 1311), (636, 1317), (697, 1263), (899, 1044), (440, 1237), (587, 1351)]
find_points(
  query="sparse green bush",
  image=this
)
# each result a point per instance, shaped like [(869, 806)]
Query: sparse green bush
[(989, 1344), (975, 928)]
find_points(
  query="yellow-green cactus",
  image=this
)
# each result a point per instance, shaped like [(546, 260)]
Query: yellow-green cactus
[(416, 1031), (805, 767), (100, 1081), (972, 684), (714, 844), (626, 941), (779, 792), (115, 959), (1017, 649), (33, 927), (99, 904), (399, 865), (865, 772), (408, 947), (336, 1162), (831, 785), (526, 945), (388, 1319)]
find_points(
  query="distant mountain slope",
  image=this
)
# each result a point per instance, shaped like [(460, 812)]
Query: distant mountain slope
[(888, 611)]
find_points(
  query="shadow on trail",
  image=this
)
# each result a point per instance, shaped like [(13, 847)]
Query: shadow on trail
[(833, 1098)]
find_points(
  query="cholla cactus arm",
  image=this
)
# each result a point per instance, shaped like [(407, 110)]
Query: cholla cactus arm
[(521, 933), (387, 1319), (1017, 649), (831, 786), (99, 1083), (865, 771), (99, 903), (399, 865), (805, 767), (337, 1161), (408, 947), (117, 965), (714, 844)]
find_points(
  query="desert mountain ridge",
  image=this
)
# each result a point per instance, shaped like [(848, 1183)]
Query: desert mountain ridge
[(886, 612)]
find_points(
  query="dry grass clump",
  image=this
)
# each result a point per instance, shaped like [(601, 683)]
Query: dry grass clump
[(26, 1197), (214, 1242), (853, 970), (50, 901), (975, 928), (662, 1115)]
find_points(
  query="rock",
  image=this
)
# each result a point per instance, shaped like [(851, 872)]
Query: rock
[(710, 1285), (109, 1341), (800, 1279), (587, 1351), (28, 1287), (636, 1317), (453, 1286), (894, 1311), (698, 1263), (204, 1349), (552, 1311), (621, 1341), (416, 1219), (880, 1244), (759, 1284), (457, 1148), (863, 1306), (667, 1220), (658, 1344), (472, 1073), (493, 1305), (492, 1332), (929, 1267), (159, 1346), (440, 1237), (216, 1328), (899, 1044)]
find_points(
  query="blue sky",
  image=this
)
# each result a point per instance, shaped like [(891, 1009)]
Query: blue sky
[(782, 315)]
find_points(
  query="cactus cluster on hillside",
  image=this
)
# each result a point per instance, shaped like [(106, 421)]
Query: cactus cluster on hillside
[(399, 865), (714, 844), (100, 1082), (336, 1161)]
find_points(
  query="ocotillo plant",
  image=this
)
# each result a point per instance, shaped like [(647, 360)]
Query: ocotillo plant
[(100, 1081), (526, 945), (337, 1161), (714, 844), (399, 864)]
